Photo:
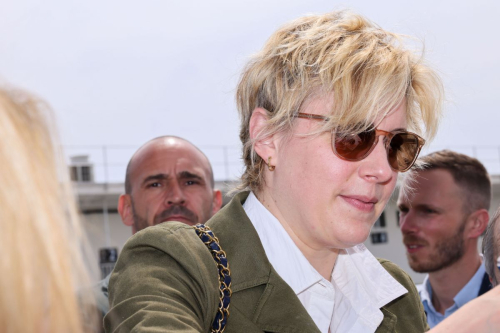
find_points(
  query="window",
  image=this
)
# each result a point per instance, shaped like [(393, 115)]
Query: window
[(379, 237), (86, 174), (81, 173), (81, 170), (108, 257), (380, 223)]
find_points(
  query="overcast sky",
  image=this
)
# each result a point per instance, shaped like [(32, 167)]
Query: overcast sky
[(123, 72)]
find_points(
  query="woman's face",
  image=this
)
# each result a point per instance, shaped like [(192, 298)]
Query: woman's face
[(325, 201)]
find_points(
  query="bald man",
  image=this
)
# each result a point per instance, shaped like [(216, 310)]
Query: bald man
[(167, 179)]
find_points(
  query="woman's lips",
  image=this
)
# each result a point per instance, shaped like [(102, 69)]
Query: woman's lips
[(362, 203)]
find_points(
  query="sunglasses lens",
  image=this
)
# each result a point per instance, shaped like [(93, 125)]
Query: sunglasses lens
[(354, 147), (403, 150)]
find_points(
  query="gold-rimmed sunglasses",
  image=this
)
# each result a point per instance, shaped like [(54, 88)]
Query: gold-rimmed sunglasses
[(402, 146)]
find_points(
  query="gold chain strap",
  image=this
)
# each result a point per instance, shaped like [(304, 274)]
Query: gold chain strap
[(212, 243)]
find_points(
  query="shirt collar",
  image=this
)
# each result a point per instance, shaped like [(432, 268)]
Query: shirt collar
[(471, 289), (357, 273), (366, 274), (466, 294), (426, 293), (283, 254)]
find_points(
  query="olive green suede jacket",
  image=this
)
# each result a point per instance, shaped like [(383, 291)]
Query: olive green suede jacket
[(165, 280)]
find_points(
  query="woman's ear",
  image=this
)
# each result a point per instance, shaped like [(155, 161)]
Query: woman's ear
[(265, 146)]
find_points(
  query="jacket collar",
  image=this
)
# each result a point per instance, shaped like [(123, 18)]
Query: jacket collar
[(251, 269), (281, 251)]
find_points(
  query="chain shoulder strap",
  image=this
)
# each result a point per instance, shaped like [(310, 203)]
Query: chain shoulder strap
[(208, 238)]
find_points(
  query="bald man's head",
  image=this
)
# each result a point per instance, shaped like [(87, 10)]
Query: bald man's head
[(166, 142), (168, 179)]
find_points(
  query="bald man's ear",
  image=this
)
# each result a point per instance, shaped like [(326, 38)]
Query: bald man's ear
[(217, 204), (265, 146), (477, 223), (125, 209)]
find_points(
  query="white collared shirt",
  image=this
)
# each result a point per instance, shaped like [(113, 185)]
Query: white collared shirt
[(359, 285)]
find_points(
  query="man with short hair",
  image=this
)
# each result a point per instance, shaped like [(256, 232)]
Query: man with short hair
[(443, 209), (167, 179)]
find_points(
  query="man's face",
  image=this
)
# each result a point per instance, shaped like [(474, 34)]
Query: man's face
[(171, 181), (432, 221)]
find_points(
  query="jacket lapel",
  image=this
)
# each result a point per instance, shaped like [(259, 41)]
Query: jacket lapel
[(387, 325), (259, 293), (279, 309), (485, 285)]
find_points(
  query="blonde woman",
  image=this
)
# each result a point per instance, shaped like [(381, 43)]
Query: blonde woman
[(332, 109), (41, 238)]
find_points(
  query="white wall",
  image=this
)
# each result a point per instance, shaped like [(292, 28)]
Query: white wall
[(94, 226)]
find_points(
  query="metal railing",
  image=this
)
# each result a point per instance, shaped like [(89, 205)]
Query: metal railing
[(110, 161)]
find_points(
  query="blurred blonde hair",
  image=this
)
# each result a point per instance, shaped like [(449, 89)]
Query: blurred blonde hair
[(368, 71), (41, 237)]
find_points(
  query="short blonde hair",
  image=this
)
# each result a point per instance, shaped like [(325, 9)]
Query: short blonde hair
[(368, 71), (41, 238)]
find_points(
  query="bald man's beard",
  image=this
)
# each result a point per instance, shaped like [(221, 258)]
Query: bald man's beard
[(175, 210)]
